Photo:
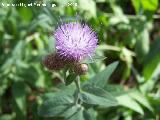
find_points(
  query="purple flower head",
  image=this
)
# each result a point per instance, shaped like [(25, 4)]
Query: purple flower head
[(75, 41)]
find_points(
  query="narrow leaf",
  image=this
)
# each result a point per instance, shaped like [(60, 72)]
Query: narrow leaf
[(141, 99), (70, 78), (126, 101), (99, 92), (101, 78), (96, 100), (19, 94)]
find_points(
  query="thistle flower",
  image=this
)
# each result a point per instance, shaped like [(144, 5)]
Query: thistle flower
[(75, 41)]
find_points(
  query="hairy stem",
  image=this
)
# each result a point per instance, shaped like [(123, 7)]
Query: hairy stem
[(77, 82)]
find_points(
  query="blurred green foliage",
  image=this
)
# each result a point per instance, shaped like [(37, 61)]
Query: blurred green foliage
[(128, 31)]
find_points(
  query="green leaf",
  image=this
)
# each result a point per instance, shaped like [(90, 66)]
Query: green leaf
[(142, 44), (53, 110), (154, 50), (78, 115), (14, 58), (63, 91), (92, 99), (150, 5), (127, 101), (70, 78), (99, 92), (90, 114), (71, 111), (100, 1), (146, 5), (101, 78), (152, 61), (118, 17), (152, 69), (115, 90), (51, 44), (137, 5), (141, 99), (43, 21), (89, 6), (26, 13), (19, 94), (55, 107), (3, 86), (6, 117), (18, 50)]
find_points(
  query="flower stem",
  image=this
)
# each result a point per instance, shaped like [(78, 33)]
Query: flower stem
[(77, 82)]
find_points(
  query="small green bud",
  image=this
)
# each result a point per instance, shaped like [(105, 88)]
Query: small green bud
[(81, 69)]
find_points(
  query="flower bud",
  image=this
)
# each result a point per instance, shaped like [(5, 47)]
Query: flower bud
[(53, 62), (81, 69)]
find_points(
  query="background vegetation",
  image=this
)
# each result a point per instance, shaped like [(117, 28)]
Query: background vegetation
[(128, 32)]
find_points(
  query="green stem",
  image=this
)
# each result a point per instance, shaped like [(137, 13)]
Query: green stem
[(77, 82)]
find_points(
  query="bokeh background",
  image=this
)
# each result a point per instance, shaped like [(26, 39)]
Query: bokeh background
[(128, 32)]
